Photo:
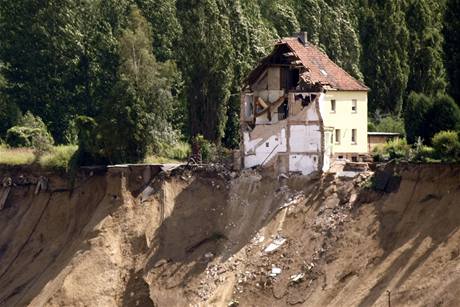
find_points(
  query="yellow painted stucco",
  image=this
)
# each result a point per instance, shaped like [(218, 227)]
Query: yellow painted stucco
[(345, 119)]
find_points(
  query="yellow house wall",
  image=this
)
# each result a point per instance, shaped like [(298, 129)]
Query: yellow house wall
[(346, 120)]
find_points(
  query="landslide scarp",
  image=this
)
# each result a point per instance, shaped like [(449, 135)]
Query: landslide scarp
[(136, 236)]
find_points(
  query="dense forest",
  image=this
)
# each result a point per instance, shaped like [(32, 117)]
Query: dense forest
[(124, 77)]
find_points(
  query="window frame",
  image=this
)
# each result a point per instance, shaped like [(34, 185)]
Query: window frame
[(354, 136), (333, 105), (354, 104), (337, 136)]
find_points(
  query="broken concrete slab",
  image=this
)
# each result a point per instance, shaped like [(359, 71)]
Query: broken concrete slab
[(275, 244)]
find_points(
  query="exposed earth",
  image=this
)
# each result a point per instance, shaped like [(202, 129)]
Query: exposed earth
[(136, 236)]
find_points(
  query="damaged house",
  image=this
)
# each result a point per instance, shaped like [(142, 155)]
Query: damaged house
[(300, 111)]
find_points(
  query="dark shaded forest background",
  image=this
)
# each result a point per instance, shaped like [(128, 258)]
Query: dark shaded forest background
[(123, 77)]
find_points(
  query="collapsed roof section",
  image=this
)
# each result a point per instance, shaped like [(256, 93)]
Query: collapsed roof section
[(315, 67)]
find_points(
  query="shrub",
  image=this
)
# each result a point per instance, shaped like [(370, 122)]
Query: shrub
[(443, 116), (397, 149), (177, 151), (30, 132), (393, 149), (446, 146), (421, 152), (206, 149), (58, 157)]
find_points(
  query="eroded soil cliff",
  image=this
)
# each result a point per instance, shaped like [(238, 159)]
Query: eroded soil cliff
[(135, 236)]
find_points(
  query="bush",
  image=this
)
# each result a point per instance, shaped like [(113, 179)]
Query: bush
[(397, 149), (177, 151), (30, 132), (58, 157), (393, 149), (206, 149), (446, 146), (443, 116)]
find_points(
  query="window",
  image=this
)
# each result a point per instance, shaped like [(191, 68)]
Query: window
[(267, 144), (337, 136), (353, 136), (354, 106), (283, 110), (333, 105)]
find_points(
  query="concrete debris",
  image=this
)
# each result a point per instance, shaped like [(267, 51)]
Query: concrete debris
[(160, 263), (233, 303), (276, 243), (148, 191), (208, 255), (293, 200), (348, 174), (275, 271), (258, 238), (42, 185), (297, 277)]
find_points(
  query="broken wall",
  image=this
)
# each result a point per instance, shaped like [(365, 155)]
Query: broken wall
[(297, 141)]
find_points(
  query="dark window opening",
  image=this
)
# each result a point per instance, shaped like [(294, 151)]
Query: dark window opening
[(283, 110), (305, 101), (289, 78)]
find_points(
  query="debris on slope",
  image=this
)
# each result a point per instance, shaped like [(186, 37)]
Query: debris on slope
[(204, 235)]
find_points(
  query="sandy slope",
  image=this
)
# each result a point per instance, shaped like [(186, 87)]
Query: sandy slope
[(198, 238)]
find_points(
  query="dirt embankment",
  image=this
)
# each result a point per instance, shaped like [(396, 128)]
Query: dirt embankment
[(134, 237)]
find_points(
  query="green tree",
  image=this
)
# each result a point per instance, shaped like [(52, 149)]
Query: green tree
[(334, 28), (451, 47), (161, 14), (39, 46), (9, 112), (205, 59), (415, 115), (281, 15), (385, 60), (427, 74), (444, 115), (136, 113)]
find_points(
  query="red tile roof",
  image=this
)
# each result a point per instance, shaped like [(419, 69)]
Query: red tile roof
[(321, 69)]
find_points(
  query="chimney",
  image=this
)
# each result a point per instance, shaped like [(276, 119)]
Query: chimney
[(303, 37)]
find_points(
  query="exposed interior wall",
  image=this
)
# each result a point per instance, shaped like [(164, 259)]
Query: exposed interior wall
[(345, 119), (263, 144), (293, 144)]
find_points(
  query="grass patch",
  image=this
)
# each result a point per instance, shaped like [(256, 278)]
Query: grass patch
[(176, 153), (58, 158), (179, 151), (153, 159), (16, 156)]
